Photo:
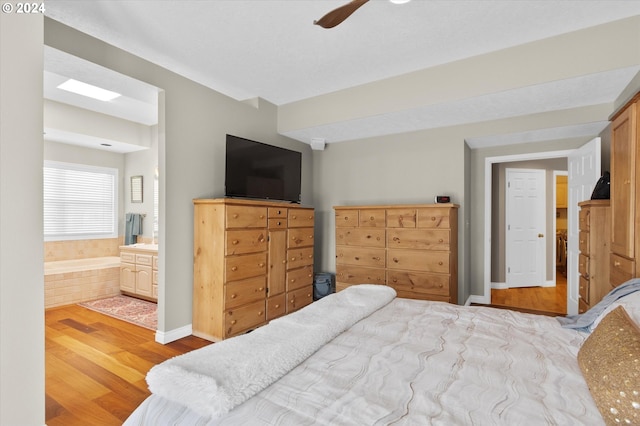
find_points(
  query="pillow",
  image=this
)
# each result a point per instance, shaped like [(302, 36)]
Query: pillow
[(610, 363), (630, 303)]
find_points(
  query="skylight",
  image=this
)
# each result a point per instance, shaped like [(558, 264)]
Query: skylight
[(89, 90)]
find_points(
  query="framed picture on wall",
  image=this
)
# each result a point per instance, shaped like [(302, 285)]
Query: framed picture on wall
[(136, 189)]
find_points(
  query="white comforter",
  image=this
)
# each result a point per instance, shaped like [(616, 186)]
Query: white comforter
[(422, 363)]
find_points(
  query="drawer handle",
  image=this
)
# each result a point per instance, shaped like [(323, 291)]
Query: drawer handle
[(262, 240), (293, 280), (376, 258), (260, 313), (309, 275), (395, 259), (261, 216), (234, 268), (234, 242), (293, 258), (440, 240), (277, 306), (233, 322), (310, 256), (233, 296), (260, 289), (441, 285), (293, 217), (279, 223), (616, 263), (395, 280), (308, 294), (261, 264), (292, 301), (433, 218), (284, 261), (440, 263), (310, 217), (346, 218), (279, 212), (235, 215), (310, 237)]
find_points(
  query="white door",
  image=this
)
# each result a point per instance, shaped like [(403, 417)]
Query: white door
[(525, 219), (584, 171)]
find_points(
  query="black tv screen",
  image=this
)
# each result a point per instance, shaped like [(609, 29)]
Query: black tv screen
[(257, 170)]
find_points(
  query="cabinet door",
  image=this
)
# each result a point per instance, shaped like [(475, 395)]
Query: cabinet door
[(128, 277), (623, 168), (144, 281), (277, 262)]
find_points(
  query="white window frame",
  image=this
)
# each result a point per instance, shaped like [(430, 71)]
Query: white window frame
[(93, 169)]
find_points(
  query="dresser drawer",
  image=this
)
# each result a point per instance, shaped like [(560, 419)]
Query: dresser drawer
[(582, 306), (583, 266), (245, 266), (276, 306), (244, 318), (346, 218), (144, 259), (583, 289), (583, 242), (583, 219), (246, 217), (419, 282), (299, 298), (127, 257), (239, 293), (372, 218), (300, 277), (362, 237), (416, 260), (422, 239), (359, 275), (277, 212), (401, 218), (620, 269), (436, 217), (277, 223), (245, 241), (360, 256), (299, 257), (299, 237), (300, 218)]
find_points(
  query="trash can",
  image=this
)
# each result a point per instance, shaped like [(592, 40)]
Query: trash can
[(323, 285)]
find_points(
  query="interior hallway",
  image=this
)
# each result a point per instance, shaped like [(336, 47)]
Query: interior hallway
[(541, 300)]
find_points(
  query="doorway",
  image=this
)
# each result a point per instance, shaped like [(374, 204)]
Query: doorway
[(583, 165)]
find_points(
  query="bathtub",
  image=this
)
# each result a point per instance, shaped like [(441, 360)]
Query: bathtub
[(68, 282)]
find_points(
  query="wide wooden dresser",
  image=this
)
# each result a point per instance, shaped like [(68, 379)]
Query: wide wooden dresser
[(253, 262), (412, 248), (594, 244)]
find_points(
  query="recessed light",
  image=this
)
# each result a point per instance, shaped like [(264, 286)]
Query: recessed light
[(89, 90)]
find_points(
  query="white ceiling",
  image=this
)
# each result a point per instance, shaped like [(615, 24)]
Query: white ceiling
[(271, 49)]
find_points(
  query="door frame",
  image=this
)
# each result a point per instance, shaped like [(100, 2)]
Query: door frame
[(541, 249), (488, 199)]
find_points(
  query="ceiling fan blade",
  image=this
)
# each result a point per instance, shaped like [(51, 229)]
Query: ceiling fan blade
[(338, 15)]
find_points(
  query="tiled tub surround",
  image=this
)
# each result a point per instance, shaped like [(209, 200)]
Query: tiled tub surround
[(81, 249), (79, 280)]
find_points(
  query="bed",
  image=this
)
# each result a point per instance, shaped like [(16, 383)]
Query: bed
[(365, 357)]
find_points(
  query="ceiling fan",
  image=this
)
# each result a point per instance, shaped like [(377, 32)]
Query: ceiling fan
[(338, 15)]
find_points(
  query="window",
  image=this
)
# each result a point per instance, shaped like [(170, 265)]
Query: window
[(80, 202)]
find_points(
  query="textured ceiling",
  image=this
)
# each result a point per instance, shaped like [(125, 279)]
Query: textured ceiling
[(270, 49)]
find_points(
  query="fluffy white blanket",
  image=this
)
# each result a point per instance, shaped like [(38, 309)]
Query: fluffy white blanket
[(215, 379)]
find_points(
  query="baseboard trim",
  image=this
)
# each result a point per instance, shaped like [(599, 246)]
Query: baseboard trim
[(481, 300), (164, 337)]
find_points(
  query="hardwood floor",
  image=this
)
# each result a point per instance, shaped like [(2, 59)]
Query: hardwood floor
[(96, 365), (543, 300)]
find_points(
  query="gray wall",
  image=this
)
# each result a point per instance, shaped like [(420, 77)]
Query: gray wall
[(21, 250), (191, 136), (407, 168)]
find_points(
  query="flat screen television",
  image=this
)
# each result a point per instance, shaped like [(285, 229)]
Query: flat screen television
[(260, 171)]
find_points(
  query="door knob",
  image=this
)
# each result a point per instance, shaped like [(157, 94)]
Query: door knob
[(540, 235)]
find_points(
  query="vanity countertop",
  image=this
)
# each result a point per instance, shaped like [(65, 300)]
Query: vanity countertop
[(140, 247)]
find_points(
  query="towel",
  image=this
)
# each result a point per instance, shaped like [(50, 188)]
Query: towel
[(133, 228), (216, 378), (583, 322)]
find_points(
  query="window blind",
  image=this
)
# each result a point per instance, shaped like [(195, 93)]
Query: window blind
[(79, 201)]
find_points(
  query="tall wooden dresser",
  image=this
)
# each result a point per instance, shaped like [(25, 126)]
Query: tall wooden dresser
[(594, 244), (253, 262), (625, 184), (412, 248)]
